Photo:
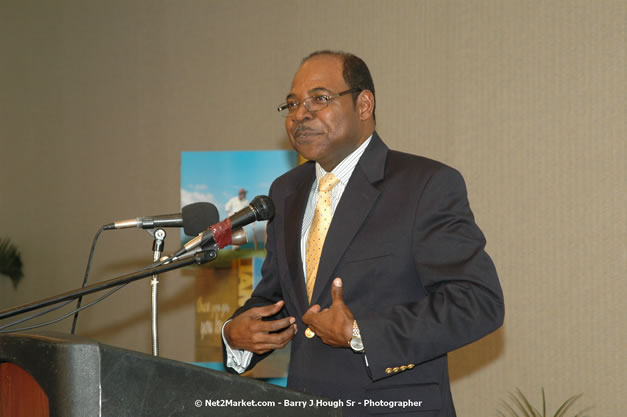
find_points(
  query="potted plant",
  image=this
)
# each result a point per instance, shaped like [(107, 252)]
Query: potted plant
[(10, 261), (519, 406)]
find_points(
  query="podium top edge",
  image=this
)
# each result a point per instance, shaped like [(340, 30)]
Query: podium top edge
[(48, 337)]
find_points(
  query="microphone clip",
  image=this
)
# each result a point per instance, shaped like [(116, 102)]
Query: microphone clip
[(204, 256)]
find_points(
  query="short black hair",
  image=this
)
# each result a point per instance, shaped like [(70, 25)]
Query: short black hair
[(355, 72)]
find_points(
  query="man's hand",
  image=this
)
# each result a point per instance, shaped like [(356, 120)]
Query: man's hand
[(334, 325), (249, 332)]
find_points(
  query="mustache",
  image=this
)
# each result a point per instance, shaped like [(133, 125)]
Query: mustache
[(301, 128)]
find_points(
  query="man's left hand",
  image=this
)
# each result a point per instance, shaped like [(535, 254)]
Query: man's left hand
[(334, 325)]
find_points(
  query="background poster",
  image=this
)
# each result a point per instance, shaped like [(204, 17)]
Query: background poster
[(229, 180)]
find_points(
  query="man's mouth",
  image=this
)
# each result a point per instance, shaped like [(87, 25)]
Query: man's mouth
[(302, 132)]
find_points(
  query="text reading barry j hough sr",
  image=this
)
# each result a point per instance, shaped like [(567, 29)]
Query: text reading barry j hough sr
[(310, 403)]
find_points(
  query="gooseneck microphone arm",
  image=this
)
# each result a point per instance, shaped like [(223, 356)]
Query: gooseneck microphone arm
[(199, 259)]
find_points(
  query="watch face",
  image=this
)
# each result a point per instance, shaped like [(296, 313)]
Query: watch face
[(356, 344)]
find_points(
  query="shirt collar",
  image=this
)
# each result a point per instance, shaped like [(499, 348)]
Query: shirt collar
[(344, 169)]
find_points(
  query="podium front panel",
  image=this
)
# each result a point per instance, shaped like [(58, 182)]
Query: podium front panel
[(85, 378)]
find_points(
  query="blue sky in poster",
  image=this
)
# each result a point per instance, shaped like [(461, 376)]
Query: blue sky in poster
[(216, 177)]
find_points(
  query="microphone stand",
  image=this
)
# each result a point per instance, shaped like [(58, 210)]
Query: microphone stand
[(199, 258), (157, 247)]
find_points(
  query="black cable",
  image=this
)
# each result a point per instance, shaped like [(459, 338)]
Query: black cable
[(199, 258), (79, 300), (78, 304), (36, 326), (91, 255), (34, 316)]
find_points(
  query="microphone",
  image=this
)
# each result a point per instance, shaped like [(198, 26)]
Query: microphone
[(239, 237), (194, 218), (261, 208)]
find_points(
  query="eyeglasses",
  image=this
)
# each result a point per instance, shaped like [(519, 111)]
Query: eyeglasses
[(313, 103)]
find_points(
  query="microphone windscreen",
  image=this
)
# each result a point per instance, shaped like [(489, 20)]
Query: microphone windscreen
[(199, 216), (263, 207)]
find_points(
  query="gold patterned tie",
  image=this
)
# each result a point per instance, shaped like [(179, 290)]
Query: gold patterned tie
[(318, 230)]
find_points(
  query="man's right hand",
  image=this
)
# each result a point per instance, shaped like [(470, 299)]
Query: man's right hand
[(249, 332)]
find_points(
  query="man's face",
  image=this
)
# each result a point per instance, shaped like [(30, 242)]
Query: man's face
[(242, 195), (329, 135)]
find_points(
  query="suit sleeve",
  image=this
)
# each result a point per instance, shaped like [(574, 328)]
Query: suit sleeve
[(267, 292), (464, 300)]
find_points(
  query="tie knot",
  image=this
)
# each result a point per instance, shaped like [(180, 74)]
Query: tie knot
[(328, 182)]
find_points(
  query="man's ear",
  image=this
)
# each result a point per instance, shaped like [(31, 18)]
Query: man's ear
[(365, 104)]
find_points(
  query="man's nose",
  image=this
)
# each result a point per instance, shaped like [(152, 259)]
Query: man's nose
[(302, 113)]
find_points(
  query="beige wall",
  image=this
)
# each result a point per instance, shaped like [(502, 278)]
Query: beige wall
[(527, 99)]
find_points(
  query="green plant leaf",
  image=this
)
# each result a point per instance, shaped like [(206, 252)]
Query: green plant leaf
[(581, 413), (520, 404), (10, 261), (518, 400), (510, 409), (567, 404), (534, 412)]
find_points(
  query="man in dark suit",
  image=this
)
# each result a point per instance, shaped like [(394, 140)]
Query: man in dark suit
[(373, 301)]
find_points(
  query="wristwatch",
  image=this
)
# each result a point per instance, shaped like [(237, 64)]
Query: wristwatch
[(355, 343)]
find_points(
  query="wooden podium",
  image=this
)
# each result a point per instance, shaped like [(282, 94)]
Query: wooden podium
[(59, 375)]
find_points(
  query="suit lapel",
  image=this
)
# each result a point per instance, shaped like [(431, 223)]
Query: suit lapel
[(295, 204), (356, 203)]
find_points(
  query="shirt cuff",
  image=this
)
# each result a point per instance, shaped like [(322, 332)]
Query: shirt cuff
[(236, 359)]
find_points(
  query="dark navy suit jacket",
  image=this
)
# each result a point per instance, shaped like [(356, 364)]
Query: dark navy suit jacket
[(415, 275)]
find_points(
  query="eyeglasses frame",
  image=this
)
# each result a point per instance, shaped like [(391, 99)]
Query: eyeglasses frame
[(328, 98)]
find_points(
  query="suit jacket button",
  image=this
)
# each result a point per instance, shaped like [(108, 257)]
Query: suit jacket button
[(388, 370), (396, 369)]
